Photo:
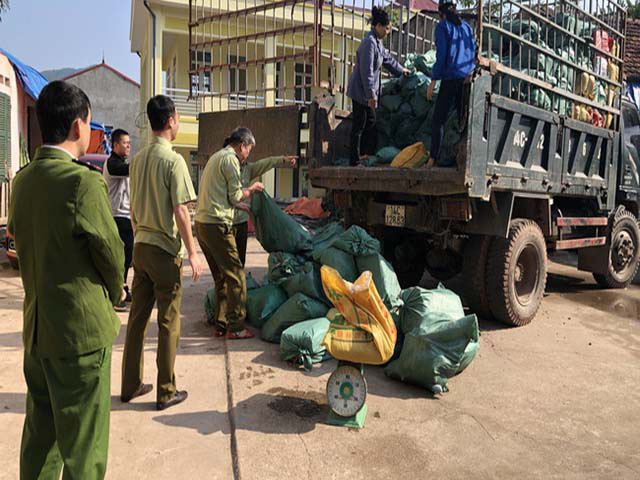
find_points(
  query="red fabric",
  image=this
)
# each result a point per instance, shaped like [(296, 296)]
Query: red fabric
[(308, 207), (95, 145)]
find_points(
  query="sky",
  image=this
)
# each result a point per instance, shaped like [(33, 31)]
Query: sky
[(51, 34)]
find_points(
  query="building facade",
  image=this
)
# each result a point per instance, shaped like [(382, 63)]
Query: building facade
[(115, 98)]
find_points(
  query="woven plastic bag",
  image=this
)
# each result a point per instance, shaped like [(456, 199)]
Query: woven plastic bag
[(275, 230), (263, 302), (302, 343), (362, 329), (295, 310), (340, 260), (357, 242), (411, 157)]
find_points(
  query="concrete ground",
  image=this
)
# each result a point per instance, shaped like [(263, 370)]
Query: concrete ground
[(556, 399)]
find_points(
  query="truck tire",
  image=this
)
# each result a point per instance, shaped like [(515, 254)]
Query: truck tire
[(624, 251), (517, 273), (474, 272)]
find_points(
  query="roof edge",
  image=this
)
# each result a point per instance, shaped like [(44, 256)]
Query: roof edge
[(98, 65)]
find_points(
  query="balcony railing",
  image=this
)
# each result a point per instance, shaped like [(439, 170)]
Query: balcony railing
[(181, 98)]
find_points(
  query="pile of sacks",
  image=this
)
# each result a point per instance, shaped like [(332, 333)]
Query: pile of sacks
[(405, 116), (313, 285), (545, 67)]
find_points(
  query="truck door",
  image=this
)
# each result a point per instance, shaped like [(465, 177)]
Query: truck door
[(629, 179)]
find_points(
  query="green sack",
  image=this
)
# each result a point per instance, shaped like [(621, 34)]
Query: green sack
[(410, 83), (295, 310), (252, 284), (263, 302), (325, 236), (282, 265), (425, 306), (302, 343), (339, 260), (275, 230), (436, 351), (391, 103), (384, 278), (308, 281), (419, 104), (406, 108), (357, 242), (406, 133), (390, 86), (387, 154), (210, 305)]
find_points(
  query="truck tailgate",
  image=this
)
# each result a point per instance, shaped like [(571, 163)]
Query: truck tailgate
[(423, 181)]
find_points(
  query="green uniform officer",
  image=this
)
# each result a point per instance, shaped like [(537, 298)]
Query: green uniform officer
[(220, 191), (160, 189), (249, 173), (72, 266)]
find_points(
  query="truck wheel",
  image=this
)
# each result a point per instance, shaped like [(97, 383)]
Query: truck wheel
[(624, 252), (474, 270), (517, 273)]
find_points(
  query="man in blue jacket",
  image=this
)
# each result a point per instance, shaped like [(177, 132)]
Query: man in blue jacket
[(455, 54), (364, 85)]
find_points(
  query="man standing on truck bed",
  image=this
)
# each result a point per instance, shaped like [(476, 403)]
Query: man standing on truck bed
[(455, 52), (71, 262), (116, 174), (161, 188), (364, 85)]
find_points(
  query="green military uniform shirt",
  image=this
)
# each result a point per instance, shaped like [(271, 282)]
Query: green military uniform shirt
[(159, 182), (71, 256), (249, 172), (220, 188)]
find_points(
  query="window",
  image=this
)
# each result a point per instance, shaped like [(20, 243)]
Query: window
[(237, 74), (202, 81), (174, 82), (303, 81), (5, 136), (195, 170)]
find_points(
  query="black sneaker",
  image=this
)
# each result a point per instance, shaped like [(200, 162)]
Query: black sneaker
[(127, 299), (179, 397)]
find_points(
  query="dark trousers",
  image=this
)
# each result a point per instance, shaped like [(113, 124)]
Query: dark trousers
[(67, 421), (450, 95), (126, 235), (364, 138), (241, 233), (156, 278), (218, 244)]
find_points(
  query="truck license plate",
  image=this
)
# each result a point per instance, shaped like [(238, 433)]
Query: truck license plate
[(394, 215)]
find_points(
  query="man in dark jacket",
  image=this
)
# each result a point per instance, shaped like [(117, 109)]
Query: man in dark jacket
[(116, 175)]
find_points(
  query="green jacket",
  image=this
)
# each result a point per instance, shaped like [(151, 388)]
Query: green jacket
[(249, 172), (71, 256)]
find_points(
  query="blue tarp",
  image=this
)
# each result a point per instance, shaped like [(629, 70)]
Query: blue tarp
[(633, 89), (32, 80)]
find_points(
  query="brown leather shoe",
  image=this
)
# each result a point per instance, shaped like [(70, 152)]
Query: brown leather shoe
[(143, 389), (179, 397)]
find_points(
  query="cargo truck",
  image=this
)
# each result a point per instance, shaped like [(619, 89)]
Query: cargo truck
[(530, 178)]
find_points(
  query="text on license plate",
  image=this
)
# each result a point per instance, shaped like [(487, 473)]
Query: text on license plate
[(394, 215)]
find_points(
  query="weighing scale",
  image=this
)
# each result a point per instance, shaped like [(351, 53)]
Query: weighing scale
[(346, 395)]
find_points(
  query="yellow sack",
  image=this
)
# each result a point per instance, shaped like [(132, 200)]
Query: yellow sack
[(412, 156), (362, 330)]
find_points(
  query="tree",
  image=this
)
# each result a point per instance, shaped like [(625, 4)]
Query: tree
[(633, 9), (4, 6)]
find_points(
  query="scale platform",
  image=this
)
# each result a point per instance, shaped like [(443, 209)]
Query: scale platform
[(346, 395)]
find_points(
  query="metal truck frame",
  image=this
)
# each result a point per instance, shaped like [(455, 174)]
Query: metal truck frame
[(528, 180)]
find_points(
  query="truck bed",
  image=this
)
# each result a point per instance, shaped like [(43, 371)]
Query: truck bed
[(420, 181)]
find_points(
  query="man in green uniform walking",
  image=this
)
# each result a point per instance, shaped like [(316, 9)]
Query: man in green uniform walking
[(161, 188), (72, 266)]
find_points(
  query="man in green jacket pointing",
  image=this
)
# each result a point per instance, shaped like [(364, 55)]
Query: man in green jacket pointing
[(71, 263)]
